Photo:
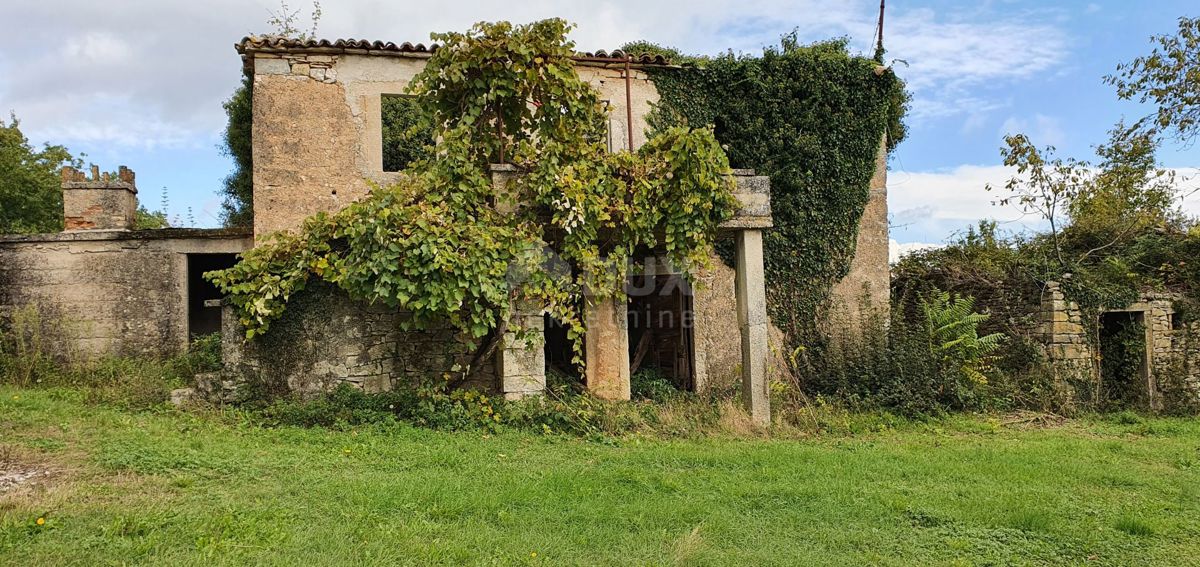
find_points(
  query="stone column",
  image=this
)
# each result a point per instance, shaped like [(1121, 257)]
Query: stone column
[(520, 365), (606, 346), (752, 321)]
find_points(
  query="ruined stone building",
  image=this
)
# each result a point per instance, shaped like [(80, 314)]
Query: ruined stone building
[(1166, 348), (317, 142)]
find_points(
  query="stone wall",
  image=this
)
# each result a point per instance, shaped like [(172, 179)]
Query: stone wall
[(324, 338), (1067, 348), (108, 293), (100, 202), (718, 344), (866, 288), (317, 125)]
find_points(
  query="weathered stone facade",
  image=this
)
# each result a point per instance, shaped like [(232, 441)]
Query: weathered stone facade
[(317, 126), (317, 146), (99, 202), (866, 289), (109, 293), (1067, 344)]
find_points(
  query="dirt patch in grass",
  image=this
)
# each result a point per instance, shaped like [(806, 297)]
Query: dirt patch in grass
[(19, 472)]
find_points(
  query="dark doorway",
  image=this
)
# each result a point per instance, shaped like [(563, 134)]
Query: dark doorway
[(203, 320), (559, 351), (660, 328), (1124, 372)]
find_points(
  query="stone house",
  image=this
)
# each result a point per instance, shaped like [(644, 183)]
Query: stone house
[(317, 144)]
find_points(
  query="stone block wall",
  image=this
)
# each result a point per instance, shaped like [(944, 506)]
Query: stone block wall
[(1062, 329), (1169, 350), (106, 293), (324, 338), (100, 202)]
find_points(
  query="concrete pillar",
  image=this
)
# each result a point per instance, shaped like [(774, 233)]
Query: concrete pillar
[(753, 322), (521, 365), (606, 346)]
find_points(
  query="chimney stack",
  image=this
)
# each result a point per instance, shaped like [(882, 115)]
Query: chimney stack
[(103, 202)]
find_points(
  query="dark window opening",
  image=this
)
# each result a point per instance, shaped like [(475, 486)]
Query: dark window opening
[(661, 322), (1124, 373), (405, 139), (204, 319)]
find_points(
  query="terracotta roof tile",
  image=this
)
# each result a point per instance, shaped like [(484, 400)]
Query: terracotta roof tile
[(277, 44)]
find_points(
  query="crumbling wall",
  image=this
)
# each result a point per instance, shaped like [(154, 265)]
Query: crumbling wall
[(108, 293), (1181, 364), (1172, 353), (324, 338), (1063, 334)]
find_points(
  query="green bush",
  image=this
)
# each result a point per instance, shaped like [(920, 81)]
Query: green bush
[(348, 406), (930, 364), (651, 384)]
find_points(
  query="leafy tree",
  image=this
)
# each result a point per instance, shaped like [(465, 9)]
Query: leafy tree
[(405, 138), (1169, 77), (1095, 207), (1043, 185), (30, 187), (1127, 194), (238, 186), (148, 220)]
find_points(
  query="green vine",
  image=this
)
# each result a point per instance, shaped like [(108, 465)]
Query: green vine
[(446, 246), (811, 117)]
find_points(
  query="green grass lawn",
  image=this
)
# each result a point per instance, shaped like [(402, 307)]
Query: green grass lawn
[(173, 488)]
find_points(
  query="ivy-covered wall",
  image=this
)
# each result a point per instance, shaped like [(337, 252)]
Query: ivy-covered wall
[(811, 117)]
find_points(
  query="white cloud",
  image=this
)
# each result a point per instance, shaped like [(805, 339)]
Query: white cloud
[(896, 250), (933, 206), (950, 56), (172, 62), (1042, 130)]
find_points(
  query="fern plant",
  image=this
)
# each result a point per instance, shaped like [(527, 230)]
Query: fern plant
[(953, 327)]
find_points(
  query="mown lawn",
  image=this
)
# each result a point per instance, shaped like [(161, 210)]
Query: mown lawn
[(172, 488)]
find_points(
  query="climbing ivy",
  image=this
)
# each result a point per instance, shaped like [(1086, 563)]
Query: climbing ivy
[(812, 118), (446, 246)]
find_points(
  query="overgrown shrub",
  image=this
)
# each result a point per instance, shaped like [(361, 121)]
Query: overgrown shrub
[(651, 384), (24, 356), (925, 365)]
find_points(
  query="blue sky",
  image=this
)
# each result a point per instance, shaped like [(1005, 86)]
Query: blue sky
[(140, 82)]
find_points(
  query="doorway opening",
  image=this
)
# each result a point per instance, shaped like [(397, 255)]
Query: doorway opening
[(559, 353), (661, 321), (1124, 363), (204, 319)]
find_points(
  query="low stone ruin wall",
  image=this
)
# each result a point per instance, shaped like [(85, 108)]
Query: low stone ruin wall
[(324, 338)]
